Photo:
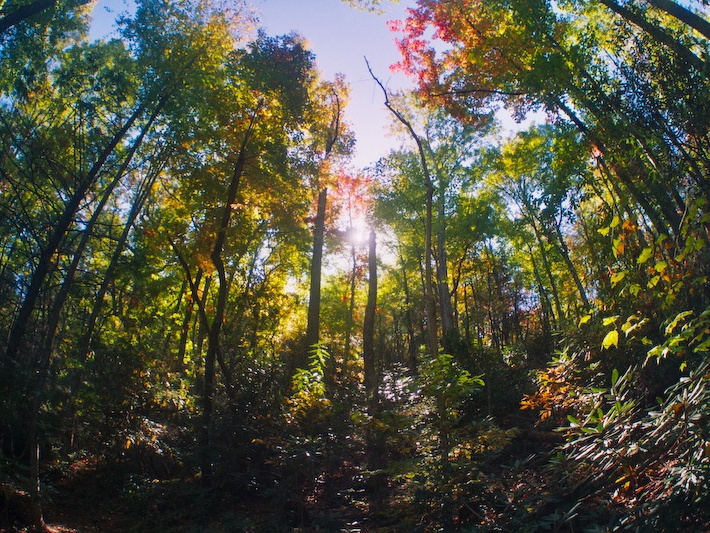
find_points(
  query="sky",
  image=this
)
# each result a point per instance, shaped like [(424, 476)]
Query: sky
[(340, 37)]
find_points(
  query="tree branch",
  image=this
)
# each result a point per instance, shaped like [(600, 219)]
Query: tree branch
[(472, 91)]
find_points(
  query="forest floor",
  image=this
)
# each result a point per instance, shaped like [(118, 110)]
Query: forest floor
[(94, 495)]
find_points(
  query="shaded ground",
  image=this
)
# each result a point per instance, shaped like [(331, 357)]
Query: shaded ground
[(97, 495)]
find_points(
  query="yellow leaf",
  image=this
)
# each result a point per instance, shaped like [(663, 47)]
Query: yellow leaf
[(610, 320), (584, 319), (611, 339), (645, 256), (616, 278)]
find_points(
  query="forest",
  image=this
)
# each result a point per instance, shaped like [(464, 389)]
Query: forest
[(211, 321)]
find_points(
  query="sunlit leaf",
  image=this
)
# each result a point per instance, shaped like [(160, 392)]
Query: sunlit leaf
[(645, 256), (617, 277), (611, 339), (677, 320)]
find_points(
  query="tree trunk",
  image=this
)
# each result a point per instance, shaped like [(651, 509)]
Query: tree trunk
[(24, 12), (141, 196), (617, 170), (430, 296), (213, 348), (411, 336), (683, 14), (185, 327), (657, 34), (349, 319), (449, 329), (68, 281), (42, 359), (450, 332), (564, 251), (368, 330), (313, 326)]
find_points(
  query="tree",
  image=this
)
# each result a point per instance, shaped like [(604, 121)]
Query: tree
[(331, 141), (430, 297), (368, 335)]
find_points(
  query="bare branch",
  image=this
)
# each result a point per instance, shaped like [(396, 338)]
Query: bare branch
[(473, 91)]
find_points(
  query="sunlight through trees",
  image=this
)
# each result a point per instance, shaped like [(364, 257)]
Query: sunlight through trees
[(211, 319)]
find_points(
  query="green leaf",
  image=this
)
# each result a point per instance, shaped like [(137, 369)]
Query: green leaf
[(645, 256), (574, 421), (635, 289), (703, 347), (661, 266), (611, 339), (614, 377)]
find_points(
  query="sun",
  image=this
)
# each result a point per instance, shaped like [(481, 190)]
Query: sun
[(358, 230)]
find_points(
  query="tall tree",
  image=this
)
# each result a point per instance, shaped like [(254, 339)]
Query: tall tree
[(368, 335)]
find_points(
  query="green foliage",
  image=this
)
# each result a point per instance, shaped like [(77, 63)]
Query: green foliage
[(442, 378), (152, 211), (308, 406)]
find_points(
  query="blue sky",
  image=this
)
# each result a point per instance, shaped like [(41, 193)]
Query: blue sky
[(341, 37)]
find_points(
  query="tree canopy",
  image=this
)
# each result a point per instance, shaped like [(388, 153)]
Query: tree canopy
[(212, 320)]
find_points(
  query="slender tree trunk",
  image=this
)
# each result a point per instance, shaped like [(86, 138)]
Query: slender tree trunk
[(85, 341), (17, 334), (411, 336), (661, 36), (349, 319), (185, 327), (24, 12), (313, 326), (430, 296), (623, 176), (683, 14), (449, 327), (368, 333), (203, 322), (548, 314), (68, 281), (450, 332), (564, 252), (213, 335), (467, 318)]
